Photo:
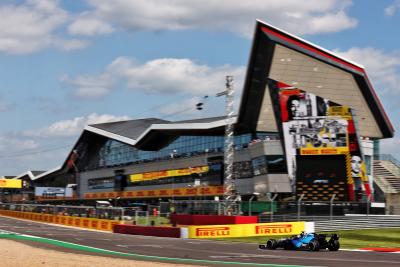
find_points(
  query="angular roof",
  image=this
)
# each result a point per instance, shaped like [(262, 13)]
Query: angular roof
[(284, 57), (141, 132), (7, 177), (130, 129), (30, 174), (49, 172), (145, 134)]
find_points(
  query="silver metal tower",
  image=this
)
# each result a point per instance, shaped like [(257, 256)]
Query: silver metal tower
[(230, 195)]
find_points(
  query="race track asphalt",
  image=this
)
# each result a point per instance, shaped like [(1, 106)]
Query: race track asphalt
[(218, 251)]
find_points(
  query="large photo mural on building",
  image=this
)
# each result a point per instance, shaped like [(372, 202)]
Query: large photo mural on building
[(321, 145)]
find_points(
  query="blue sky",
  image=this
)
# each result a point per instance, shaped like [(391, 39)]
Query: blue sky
[(64, 64)]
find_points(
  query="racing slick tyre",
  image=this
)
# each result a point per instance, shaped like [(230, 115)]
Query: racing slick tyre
[(272, 244), (313, 245), (287, 245), (334, 245)]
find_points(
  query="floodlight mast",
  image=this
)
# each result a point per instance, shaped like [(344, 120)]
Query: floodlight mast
[(230, 193)]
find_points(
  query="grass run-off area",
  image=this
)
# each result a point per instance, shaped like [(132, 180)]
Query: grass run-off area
[(382, 238)]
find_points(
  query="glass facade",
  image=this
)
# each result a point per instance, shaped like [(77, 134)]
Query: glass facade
[(368, 164), (242, 170), (101, 183), (259, 165), (212, 177), (377, 151), (116, 153), (269, 164)]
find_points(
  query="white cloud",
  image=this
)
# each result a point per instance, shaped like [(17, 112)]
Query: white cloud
[(10, 143), (90, 86), (176, 109), (301, 17), (165, 75), (47, 147), (382, 67), (71, 44), (19, 153), (89, 26), (32, 26), (393, 8), (4, 106), (169, 75), (72, 127)]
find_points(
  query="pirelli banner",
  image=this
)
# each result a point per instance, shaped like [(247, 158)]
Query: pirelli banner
[(138, 177), (177, 192), (90, 223), (245, 230), (10, 183)]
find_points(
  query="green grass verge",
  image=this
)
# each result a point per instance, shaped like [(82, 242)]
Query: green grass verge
[(382, 238)]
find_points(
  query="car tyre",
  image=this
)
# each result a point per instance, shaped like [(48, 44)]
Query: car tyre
[(334, 245), (313, 245), (287, 245), (272, 244)]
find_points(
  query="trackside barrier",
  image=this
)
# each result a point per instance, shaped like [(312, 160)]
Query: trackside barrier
[(147, 230), (245, 230), (89, 223)]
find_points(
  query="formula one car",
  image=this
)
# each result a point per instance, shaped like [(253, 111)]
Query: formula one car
[(310, 241)]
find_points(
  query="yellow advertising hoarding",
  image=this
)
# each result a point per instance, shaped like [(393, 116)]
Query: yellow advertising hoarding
[(91, 223), (243, 230), (10, 183), (177, 192), (324, 151), (138, 177), (340, 111)]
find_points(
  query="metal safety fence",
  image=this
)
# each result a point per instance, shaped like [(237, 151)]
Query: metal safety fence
[(204, 207), (314, 211)]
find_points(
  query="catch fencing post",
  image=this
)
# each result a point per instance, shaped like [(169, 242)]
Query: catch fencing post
[(272, 207), (122, 213), (136, 216), (250, 200), (299, 206), (147, 218), (368, 204), (331, 206)]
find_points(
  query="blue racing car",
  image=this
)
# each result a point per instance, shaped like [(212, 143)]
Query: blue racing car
[(310, 241)]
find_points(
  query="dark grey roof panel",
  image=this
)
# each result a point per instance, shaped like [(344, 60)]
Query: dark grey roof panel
[(37, 172), (131, 129), (202, 120)]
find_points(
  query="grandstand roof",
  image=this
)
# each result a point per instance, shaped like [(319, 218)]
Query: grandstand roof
[(145, 134), (30, 174), (46, 173), (131, 129)]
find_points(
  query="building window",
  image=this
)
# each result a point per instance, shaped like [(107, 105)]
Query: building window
[(276, 164), (242, 170), (259, 165), (115, 153), (368, 164), (101, 183)]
